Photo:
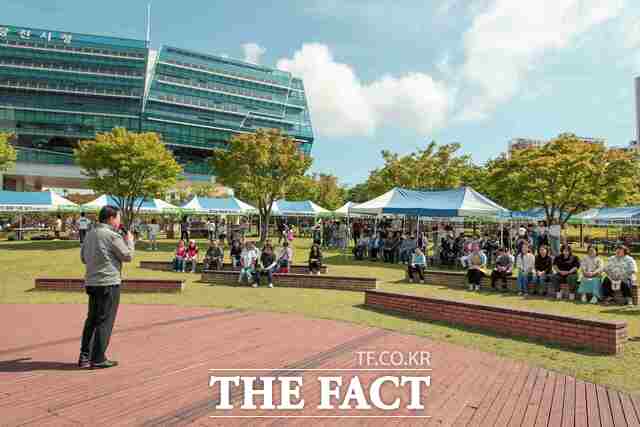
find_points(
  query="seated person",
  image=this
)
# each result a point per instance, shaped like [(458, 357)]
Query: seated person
[(248, 260), (592, 268), (543, 270), (525, 263), (417, 265), (192, 255), (566, 271), (407, 247), (375, 244), (315, 259), (503, 269), (475, 262), (360, 251), (180, 256), (285, 258), (266, 266), (621, 272), (388, 249), (235, 252), (213, 259)]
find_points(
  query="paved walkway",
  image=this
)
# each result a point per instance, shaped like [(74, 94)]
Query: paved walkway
[(166, 353)]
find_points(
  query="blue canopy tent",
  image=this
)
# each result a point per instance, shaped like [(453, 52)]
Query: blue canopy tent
[(31, 202), (627, 215), (459, 202), (305, 208), (535, 214), (218, 205), (147, 206), (45, 201)]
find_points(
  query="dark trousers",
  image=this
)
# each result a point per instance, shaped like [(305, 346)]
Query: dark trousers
[(314, 267), (103, 307), (184, 235), (213, 263), (607, 292), (268, 273), (82, 233), (388, 255), (417, 269), (499, 275), (474, 276)]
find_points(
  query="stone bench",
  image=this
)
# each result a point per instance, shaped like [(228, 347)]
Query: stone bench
[(168, 266), (607, 337), (292, 280), (128, 285), (458, 279)]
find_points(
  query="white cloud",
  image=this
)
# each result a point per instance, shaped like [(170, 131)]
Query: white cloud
[(508, 39), (341, 105), (253, 52)]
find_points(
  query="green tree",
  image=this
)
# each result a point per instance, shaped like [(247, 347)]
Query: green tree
[(130, 166), (330, 194), (7, 152), (322, 189), (433, 168), (260, 167), (566, 175)]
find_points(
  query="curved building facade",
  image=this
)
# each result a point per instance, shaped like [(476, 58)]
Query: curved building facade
[(57, 88)]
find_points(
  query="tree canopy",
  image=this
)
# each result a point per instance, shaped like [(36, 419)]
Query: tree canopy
[(322, 189), (566, 175), (7, 152), (261, 167), (128, 166), (435, 167)]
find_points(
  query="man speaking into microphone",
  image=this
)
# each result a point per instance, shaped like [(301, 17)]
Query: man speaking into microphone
[(103, 252)]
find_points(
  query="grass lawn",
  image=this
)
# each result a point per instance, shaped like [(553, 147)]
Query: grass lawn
[(22, 262)]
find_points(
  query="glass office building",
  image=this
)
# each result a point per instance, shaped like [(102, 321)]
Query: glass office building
[(58, 88)]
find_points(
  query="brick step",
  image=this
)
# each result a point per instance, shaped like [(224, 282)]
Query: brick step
[(606, 337), (168, 266), (292, 280), (127, 285)]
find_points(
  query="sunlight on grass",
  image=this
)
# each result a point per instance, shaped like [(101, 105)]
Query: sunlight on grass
[(22, 262)]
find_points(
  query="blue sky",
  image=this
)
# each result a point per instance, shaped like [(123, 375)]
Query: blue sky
[(394, 74)]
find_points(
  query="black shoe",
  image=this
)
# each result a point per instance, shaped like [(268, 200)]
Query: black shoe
[(83, 361), (104, 365)]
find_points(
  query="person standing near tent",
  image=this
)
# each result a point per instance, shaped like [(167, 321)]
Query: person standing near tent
[(57, 226), (211, 229), (554, 234), (103, 253), (83, 226), (184, 229)]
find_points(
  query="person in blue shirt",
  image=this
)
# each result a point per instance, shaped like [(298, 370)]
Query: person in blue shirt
[(417, 265)]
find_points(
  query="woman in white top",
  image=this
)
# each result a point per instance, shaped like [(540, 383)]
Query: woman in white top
[(285, 258)]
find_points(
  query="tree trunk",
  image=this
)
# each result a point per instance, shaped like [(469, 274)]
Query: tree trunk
[(264, 231)]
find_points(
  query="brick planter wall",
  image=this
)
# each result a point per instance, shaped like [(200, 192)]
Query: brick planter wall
[(598, 336), (458, 279), (128, 285), (298, 281), (168, 266)]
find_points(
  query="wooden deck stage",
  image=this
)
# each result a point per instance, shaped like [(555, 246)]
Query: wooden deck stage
[(166, 354)]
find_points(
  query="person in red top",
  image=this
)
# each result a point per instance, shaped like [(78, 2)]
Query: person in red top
[(181, 255), (192, 255)]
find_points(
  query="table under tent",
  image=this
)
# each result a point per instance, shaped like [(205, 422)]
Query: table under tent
[(304, 210), (218, 206), (20, 203), (620, 219), (419, 207)]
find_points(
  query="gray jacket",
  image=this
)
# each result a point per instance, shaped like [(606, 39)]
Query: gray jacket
[(103, 252)]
